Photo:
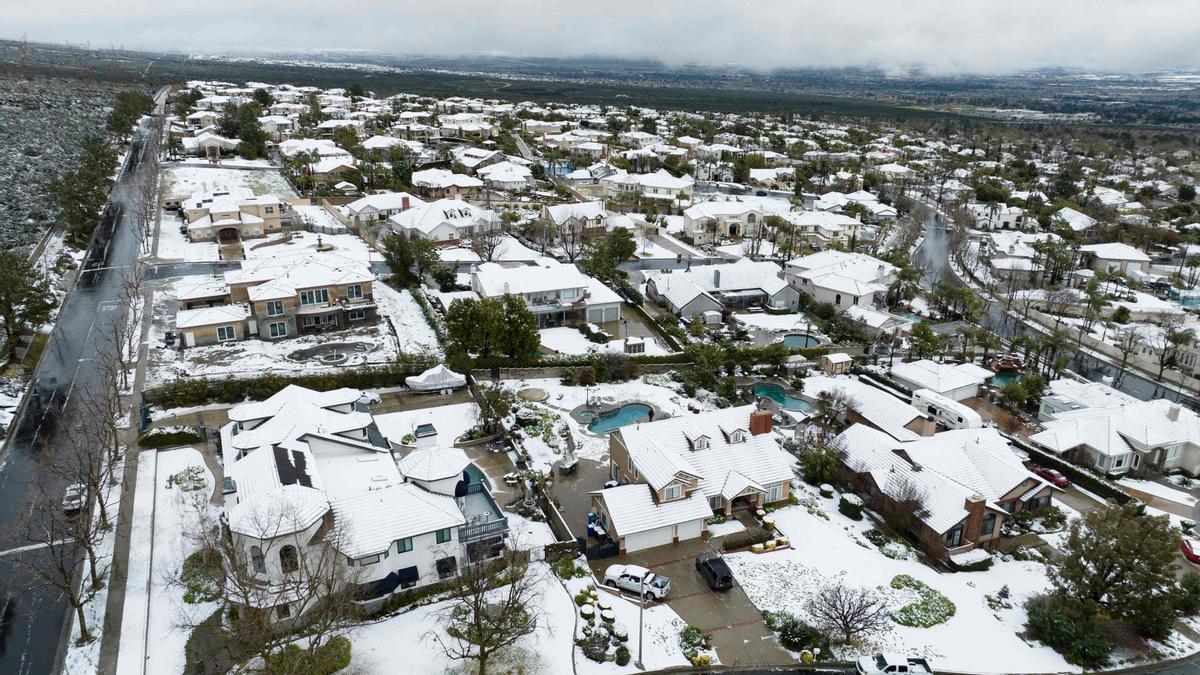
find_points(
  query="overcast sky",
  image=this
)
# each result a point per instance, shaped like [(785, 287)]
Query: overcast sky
[(946, 36)]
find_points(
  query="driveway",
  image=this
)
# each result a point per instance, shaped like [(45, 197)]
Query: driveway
[(739, 635)]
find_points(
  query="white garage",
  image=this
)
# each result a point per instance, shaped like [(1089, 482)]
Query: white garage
[(604, 314), (636, 522)]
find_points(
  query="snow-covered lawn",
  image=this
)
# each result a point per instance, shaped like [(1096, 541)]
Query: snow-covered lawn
[(152, 636), (451, 422), (401, 328), (777, 322), (411, 639), (651, 250), (1179, 496), (662, 627), (174, 244), (182, 180), (743, 248), (976, 639), (566, 340), (562, 399)]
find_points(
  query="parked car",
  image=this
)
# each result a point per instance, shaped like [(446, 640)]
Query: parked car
[(1190, 549), (714, 570), (73, 499), (891, 664), (1050, 476), (635, 578)]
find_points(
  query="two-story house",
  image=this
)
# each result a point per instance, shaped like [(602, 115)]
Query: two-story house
[(228, 215), (277, 298), (711, 221), (315, 483), (841, 279), (445, 221), (557, 293), (673, 474)]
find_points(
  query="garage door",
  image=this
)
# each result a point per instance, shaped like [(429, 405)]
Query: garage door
[(649, 539), (610, 313), (596, 315)]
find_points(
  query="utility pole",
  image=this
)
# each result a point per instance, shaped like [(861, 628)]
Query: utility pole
[(641, 625)]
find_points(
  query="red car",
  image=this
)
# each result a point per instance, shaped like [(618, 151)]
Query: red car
[(1190, 549), (1051, 476)]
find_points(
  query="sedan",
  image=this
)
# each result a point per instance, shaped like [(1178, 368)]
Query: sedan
[(1190, 549), (714, 570), (73, 499), (1051, 476)]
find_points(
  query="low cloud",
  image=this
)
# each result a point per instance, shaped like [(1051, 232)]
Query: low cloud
[(939, 36)]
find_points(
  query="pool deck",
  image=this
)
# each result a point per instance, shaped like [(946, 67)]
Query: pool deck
[(586, 414)]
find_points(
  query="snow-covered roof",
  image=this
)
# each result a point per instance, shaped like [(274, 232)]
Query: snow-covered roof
[(454, 212), (877, 407), (385, 201), (1115, 250), (632, 509), (211, 316), (443, 178), (434, 463), (941, 377), (376, 518)]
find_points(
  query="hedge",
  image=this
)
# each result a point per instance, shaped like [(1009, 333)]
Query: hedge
[(746, 538), (186, 393), (1076, 475), (160, 438)]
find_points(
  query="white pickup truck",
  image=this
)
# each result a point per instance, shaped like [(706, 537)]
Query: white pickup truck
[(891, 664)]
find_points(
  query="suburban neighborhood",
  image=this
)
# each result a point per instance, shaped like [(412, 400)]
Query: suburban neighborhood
[(309, 377)]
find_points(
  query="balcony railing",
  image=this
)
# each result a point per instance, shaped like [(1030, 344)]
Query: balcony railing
[(477, 531)]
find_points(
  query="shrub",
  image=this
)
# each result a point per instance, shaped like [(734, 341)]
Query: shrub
[(202, 576), (746, 538), (566, 568), (691, 641), (329, 658), (622, 655), (595, 646), (1068, 632), (852, 509), (933, 607), (163, 438), (1187, 599), (794, 634), (1053, 518)]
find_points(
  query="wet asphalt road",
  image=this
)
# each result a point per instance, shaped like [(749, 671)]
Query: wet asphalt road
[(33, 619)]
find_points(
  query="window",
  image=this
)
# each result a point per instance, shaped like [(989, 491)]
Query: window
[(837, 299), (319, 296), (702, 443), (257, 561), (954, 537), (447, 567), (283, 611), (277, 329), (443, 536), (1173, 453), (369, 560), (1120, 462), (737, 436), (775, 492), (672, 491), (289, 561), (404, 545), (275, 308), (989, 524), (270, 209), (354, 292), (567, 294), (356, 315), (716, 502), (226, 334)]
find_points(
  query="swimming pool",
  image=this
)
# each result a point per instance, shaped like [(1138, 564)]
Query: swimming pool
[(1002, 379), (800, 340), (778, 395), (615, 419)]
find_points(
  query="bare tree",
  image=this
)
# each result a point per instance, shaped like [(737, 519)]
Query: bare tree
[(493, 603), (487, 238), (1128, 343), (850, 611), (908, 502), (570, 238), (283, 587), (833, 405)]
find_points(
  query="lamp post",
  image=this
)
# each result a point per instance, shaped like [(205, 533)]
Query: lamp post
[(641, 611)]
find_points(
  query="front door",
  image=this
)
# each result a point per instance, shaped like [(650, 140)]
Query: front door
[(228, 234)]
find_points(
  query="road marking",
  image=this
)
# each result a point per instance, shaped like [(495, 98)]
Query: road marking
[(31, 547), (108, 306)]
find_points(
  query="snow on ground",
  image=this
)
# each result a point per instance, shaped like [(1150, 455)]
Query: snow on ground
[(1159, 490), (86, 658), (661, 624), (160, 541), (11, 391), (527, 534), (777, 322), (404, 314), (975, 639), (727, 527), (652, 250), (566, 340), (229, 163), (512, 250), (320, 217), (743, 248), (451, 422), (413, 638), (688, 250), (184, 180), (457, 254), (562, 399), (174, 244)]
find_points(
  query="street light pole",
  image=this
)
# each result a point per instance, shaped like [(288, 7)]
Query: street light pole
[(641, 611)]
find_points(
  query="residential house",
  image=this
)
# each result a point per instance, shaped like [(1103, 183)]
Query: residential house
[(1000, 217), (743, 283), (381, 206), (674, 473), (820, 229), (952, 492), (1066, 395), (1069, 217), (1142, 438), (229, 215), (956, 382), (557, 293), (841, 279), (506, 175), (445, 221), (1115, 257), (711, 221), (444, 184), (583, 219), (312, 476), (657, 185)]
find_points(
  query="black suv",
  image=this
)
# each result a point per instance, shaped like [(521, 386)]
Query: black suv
[(715, 571)]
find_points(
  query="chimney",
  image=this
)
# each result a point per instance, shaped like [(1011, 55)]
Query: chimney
[(716, 278), (976, 508), (404, 203), (760, 422), (1173, 412)]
